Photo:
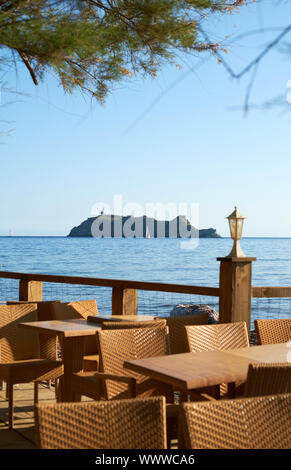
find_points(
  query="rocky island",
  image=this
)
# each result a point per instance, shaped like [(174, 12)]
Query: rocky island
[(109, 226)]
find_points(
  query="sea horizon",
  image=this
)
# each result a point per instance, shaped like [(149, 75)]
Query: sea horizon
[(134, 238)]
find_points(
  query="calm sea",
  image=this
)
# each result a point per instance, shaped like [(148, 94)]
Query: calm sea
[(161, 260)]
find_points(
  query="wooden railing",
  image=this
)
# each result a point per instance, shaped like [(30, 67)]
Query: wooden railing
[(124, 292), (234, 293), (271, 291), (118, 283)]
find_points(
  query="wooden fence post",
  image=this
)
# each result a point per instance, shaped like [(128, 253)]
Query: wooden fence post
[(30, 291), (124, 301), (235, 290)]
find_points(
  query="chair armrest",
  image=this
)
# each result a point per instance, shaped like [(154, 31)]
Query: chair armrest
[(130, 381), (48, 347)]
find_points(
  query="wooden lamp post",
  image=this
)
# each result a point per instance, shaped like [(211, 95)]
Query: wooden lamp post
[(235, 277)]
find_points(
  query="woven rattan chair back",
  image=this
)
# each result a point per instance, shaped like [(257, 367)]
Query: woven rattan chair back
[(16, 343), (117, 346), (268, 379), (217, 337), (48, 344), (273, 331), (249, 423), (44, 308), (125, 424), (77, 309), (124, 325), (177, 332)]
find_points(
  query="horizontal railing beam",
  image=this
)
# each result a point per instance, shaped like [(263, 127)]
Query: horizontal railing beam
[(120, 283), (271, 291)]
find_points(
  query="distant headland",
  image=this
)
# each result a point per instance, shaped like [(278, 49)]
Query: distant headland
[(116, 226)]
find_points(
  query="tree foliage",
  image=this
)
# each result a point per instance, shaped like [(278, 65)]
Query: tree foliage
[(93, 44)]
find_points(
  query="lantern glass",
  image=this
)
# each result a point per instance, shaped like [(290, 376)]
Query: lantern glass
[(239, 228), (236, 228)]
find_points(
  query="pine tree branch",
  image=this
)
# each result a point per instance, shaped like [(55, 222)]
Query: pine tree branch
[(27, 64), (254, 62)]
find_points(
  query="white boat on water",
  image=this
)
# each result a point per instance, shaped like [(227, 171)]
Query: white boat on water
[(148, 235)]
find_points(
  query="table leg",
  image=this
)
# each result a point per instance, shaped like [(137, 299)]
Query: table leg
[(231, 390), (73, 352), (183, 396)]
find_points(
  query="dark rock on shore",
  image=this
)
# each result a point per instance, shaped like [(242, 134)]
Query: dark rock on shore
[(253, 338), (192, 309)]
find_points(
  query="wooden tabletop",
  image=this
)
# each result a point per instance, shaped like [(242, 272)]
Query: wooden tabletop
[(194, 370), (271, 353), (80, 327), (65, 328)]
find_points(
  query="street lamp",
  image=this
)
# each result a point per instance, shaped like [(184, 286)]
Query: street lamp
[(236, 222)]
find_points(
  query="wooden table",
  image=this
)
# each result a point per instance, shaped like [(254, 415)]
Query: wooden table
[(73, 333), (195, 370)]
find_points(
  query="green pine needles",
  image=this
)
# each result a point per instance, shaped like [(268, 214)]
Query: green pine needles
[(93, 44)]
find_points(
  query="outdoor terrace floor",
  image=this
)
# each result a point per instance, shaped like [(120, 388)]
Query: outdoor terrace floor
[(22, 436)]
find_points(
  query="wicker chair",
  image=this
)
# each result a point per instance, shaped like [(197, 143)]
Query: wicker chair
[(25, 356), (124, 325), (268, 379), (273, 331), (177, 333), (217, 337), (117, 346), (126, 424), (248, 423), (44, 313), (77, 310)]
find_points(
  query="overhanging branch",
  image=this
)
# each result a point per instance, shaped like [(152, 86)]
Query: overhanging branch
[(26, 62)]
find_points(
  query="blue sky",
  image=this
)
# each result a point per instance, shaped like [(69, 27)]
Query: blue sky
[(181, 138)]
